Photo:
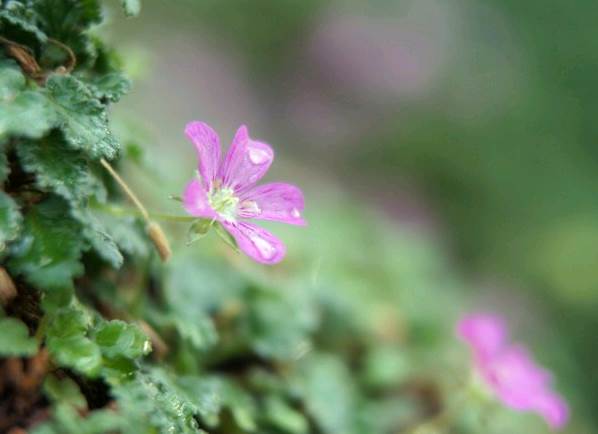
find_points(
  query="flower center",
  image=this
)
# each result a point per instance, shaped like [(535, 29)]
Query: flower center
[(224, 202)]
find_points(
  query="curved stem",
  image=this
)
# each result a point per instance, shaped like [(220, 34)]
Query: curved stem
[(128, 191)]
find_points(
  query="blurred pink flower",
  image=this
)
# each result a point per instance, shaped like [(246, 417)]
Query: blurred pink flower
[(509, 370), (226, 191)]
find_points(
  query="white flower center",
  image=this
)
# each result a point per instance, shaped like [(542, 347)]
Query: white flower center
[(224, 202)]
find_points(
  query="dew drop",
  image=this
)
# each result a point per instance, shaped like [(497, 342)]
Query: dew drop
[(258, 156), (266, 250)]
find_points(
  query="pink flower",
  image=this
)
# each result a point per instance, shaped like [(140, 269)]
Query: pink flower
[(226, 191), (509, 370)]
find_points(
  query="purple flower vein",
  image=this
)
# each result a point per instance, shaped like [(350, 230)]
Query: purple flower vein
[(226, 191)]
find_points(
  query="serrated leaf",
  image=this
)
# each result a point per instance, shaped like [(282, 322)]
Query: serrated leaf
[(60, 170), (119, 339), (48, 251), (131, 7), (153, 403), (15, 339), (67, 173), (10, 220), (81, 117), (111, 87), (23, 112), (19, 15)]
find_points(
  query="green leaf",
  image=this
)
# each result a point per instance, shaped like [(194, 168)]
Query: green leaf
[(60, 170), (48, 252), (15, 339), (65, 391), (68, 344), (4, 167), (153, 403), (131, 7), (10, 220), (67, 22), (329, 394), (81, 117), (128, 235), (23, 112), (284, 417), (67, 173), (118, 339), (23, 17), (111, 87)]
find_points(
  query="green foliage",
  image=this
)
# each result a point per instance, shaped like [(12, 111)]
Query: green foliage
[(339, 339), (10, 220), (48, 252), (15, 339), (23, 110)]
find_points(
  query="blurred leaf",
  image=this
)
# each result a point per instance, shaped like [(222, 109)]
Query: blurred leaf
[(10, 220), (15, 339), (48, 252), (64, 390), (18, 14), (327, 390), (131, 7), (284, 417)]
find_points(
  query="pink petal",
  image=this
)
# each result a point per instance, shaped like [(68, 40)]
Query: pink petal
[(257, 243), (516, 378), (207, 143), (246, 162), (276, 201), (553, 409), (485, 333), (196, 202)]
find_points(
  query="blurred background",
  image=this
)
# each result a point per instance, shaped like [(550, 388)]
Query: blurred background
[(471, 122)]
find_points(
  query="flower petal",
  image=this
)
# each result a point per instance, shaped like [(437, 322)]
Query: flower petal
[(196, 202), (257, 243), (485, 333), (553, 409), (207, 143), (516, 378), (276, 201), (246, 162)]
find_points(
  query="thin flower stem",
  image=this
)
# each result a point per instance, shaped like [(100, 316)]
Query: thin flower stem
[(130, 194), (120, 211), (153, 229)]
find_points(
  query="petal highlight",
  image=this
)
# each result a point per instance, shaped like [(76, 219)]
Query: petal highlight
[(207, 143), (195, 200), (246, 162), (255, 242), (275, 201)]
